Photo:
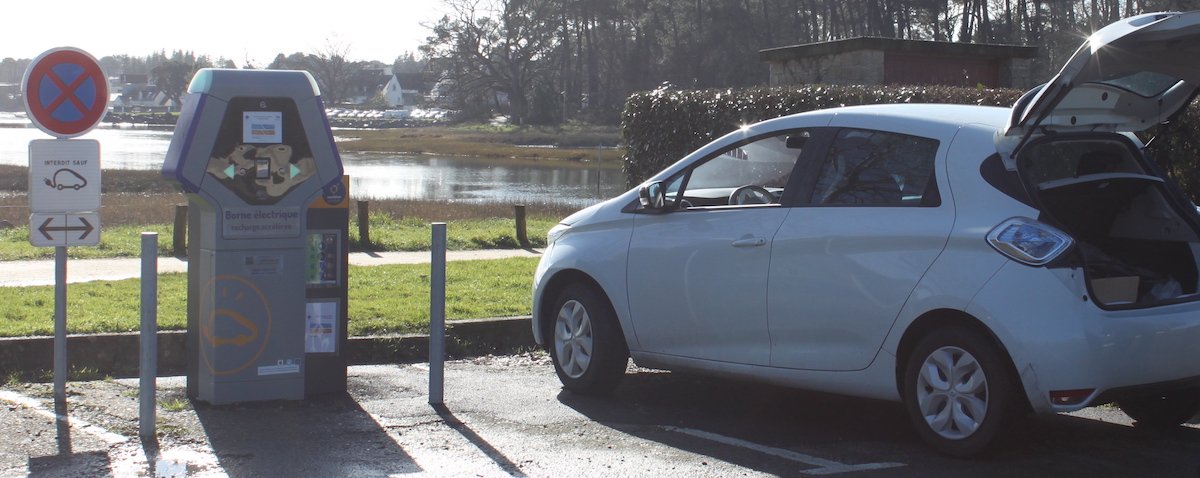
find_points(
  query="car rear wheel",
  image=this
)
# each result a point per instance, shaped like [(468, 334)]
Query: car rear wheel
[(587, 346), (1163, 410), (957, 392)]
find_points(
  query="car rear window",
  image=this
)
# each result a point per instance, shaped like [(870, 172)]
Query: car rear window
[(1146, 84), (877, 168), (1058, 159)]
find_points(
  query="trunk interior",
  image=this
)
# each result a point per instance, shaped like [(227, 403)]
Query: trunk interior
[(1137, 248)]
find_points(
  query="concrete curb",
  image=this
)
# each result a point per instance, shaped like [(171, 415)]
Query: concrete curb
[(117, 355)]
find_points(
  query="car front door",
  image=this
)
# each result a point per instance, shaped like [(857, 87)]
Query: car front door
[(697, 277)]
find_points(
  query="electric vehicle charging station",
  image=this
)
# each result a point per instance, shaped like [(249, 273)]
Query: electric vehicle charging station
[(253, 151)]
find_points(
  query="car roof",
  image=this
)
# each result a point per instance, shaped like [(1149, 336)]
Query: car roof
[(947, 114)]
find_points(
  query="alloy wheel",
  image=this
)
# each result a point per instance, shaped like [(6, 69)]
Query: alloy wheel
[(952, 392), (573, 339)]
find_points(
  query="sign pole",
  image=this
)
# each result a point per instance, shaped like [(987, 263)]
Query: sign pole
[(60, 324)]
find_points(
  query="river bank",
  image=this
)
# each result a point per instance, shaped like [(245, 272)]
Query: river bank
[(573, 141)]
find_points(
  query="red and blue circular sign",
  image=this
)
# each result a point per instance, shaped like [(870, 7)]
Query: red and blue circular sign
[(66, 92)]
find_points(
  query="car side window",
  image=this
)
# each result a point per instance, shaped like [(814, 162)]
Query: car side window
[(754, 172), (877, 168)]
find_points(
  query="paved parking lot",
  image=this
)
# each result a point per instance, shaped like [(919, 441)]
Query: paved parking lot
[(507, 416)]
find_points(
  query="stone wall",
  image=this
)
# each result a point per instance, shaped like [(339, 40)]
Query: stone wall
[(118, 355), (1018, 72), (862, 67)]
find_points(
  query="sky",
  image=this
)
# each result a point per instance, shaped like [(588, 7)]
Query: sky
[(239, 30)]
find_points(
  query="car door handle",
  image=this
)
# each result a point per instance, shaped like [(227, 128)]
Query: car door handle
[(750, 242)]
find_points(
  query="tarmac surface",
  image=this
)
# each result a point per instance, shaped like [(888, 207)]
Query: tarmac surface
[(41, 272), (508, 416)]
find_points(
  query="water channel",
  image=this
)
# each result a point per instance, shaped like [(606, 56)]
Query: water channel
[(373, 175)]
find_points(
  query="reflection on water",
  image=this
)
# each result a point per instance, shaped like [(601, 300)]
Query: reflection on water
[(474, 180), (375, 175), (119, 148)]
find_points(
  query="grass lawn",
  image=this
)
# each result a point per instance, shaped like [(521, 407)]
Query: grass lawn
[(383, 299), (387, 234)]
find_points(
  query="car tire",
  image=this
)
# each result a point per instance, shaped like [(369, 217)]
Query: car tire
[(1163, 411), (958, 392), (586, 343)]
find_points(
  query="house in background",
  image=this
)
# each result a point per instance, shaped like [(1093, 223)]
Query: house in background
[(402, 90), (129, 92), (890, 61), (412, 88)]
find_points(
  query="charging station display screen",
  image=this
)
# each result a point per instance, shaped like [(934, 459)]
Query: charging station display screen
[(261, 152)]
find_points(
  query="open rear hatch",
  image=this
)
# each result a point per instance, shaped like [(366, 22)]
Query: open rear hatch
[(1070, 142)]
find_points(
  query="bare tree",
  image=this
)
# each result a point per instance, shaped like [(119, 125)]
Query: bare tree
[(502, 46), (332, 70), (173, 75)]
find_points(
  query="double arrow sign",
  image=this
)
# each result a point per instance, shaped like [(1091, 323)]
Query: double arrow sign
[(84, 227), (65, 229)]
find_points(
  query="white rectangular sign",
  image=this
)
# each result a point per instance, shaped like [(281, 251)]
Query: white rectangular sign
[(52, 230), (64, 175)]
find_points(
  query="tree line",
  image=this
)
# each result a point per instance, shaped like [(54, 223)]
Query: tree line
[(546, 61), (172, 72), (549, 60)]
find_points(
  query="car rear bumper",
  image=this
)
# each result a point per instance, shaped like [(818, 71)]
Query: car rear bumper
[(1059, 341)]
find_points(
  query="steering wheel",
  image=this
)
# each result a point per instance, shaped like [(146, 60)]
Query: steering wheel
[(750, 194)]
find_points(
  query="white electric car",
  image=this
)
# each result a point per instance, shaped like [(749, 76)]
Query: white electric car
[(973, 262)]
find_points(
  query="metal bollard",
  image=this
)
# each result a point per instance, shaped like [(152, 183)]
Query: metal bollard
[(437, 315), (147, 385)]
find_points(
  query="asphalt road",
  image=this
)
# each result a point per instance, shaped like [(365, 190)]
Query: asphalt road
[(507, 416)]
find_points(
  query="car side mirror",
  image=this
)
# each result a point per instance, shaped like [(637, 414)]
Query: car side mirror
[(652, 196)]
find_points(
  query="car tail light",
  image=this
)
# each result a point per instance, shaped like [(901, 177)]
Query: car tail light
[(1028, 241), (1070, 397)]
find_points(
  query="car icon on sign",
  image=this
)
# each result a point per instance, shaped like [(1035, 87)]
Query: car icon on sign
[(66, 178)]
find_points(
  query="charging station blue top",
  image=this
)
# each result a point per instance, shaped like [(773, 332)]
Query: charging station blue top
[(261, 135)]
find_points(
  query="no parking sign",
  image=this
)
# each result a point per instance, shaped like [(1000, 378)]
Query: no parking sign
[(66, 92)]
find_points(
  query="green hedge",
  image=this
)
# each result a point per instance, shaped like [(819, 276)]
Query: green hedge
[(661, 126)]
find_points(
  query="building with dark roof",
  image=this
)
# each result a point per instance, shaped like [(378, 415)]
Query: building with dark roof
[(890, 61)]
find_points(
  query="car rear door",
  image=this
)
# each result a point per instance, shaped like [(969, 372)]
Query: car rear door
[(843, 265)]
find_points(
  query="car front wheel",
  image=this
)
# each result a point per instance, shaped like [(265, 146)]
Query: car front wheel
[(957, 392), (587, 346)]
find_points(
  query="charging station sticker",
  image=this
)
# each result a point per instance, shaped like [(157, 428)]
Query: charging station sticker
[(281, 367), (263, 264), (321, 331), (262, 127)]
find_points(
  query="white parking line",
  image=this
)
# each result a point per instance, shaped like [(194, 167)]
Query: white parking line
[(127, 457), (76, 423), (824, 467)]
